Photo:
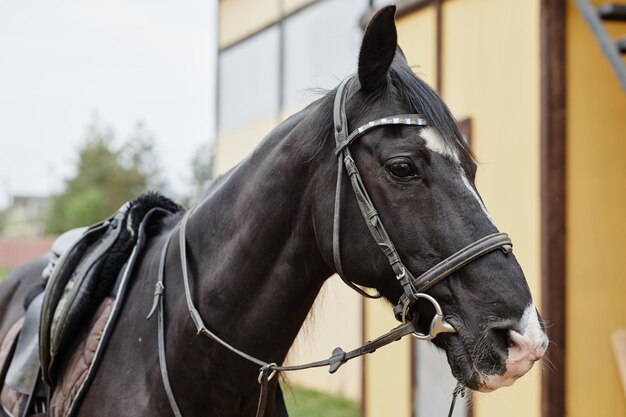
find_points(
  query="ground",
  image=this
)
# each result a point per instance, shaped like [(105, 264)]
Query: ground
[(302, 402)]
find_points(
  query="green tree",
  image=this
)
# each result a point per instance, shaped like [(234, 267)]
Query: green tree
[(106, 177)]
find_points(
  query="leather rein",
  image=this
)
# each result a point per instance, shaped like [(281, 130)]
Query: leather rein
[(414, 288)]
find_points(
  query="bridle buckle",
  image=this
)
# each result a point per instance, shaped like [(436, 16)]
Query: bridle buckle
[(402, 274)]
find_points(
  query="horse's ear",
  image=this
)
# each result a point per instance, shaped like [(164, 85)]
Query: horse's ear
[(378, 49)]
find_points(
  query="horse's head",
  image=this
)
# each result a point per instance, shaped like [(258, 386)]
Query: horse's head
[(421, 181)]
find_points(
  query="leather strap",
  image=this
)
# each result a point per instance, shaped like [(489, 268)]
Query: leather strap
[(266, 374), (343, 139), (461, 258), (158, 304), (201, 328), (398, 119), (341, 135), (267, 370)]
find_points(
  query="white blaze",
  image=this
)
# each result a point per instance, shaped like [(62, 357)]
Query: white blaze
[(475, 194), (436, 143)]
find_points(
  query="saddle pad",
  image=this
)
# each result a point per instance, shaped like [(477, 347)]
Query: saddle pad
[(75, 373), (87, 273)]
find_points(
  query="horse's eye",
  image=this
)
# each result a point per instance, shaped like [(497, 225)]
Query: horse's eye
[(402, 169)]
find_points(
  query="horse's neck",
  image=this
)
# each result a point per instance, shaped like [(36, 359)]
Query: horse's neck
[(253, 255)]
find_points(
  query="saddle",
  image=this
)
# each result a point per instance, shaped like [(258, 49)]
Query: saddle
[(88, 273)]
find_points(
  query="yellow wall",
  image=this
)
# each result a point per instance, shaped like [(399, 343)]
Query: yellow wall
[(234, 144), (491, 73), (241, 18), (596, 223), (334, 320), (417, 38)]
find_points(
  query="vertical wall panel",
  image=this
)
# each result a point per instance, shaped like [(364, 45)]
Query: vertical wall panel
[(242, 18), (248, 81), (321, 48), (596, 223), (491, 74)]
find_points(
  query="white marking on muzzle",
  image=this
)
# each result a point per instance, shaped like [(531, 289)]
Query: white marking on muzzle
[(526, 347)]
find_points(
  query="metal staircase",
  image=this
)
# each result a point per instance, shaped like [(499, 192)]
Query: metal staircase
[(614, 49)]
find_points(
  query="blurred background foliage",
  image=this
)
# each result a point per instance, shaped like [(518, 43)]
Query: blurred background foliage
[(4, 271), (108, 175)]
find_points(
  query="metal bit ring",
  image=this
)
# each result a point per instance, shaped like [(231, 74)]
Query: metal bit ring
[(437, 324)]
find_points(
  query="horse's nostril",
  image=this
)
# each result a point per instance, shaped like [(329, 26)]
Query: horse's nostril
[(511, 342), (502, 338)]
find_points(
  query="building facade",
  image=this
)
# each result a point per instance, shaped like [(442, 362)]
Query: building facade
[(546, 117)]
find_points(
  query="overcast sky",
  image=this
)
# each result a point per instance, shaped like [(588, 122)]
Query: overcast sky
[(62, 62)]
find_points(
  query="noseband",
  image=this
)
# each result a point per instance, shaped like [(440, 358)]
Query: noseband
[(414, 288)]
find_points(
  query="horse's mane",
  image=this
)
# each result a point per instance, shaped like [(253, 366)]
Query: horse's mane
[(415, 93)]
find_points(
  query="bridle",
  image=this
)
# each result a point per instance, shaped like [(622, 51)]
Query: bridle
[(414, 288)]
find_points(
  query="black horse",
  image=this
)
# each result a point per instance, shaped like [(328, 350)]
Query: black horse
[(260, 246)]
